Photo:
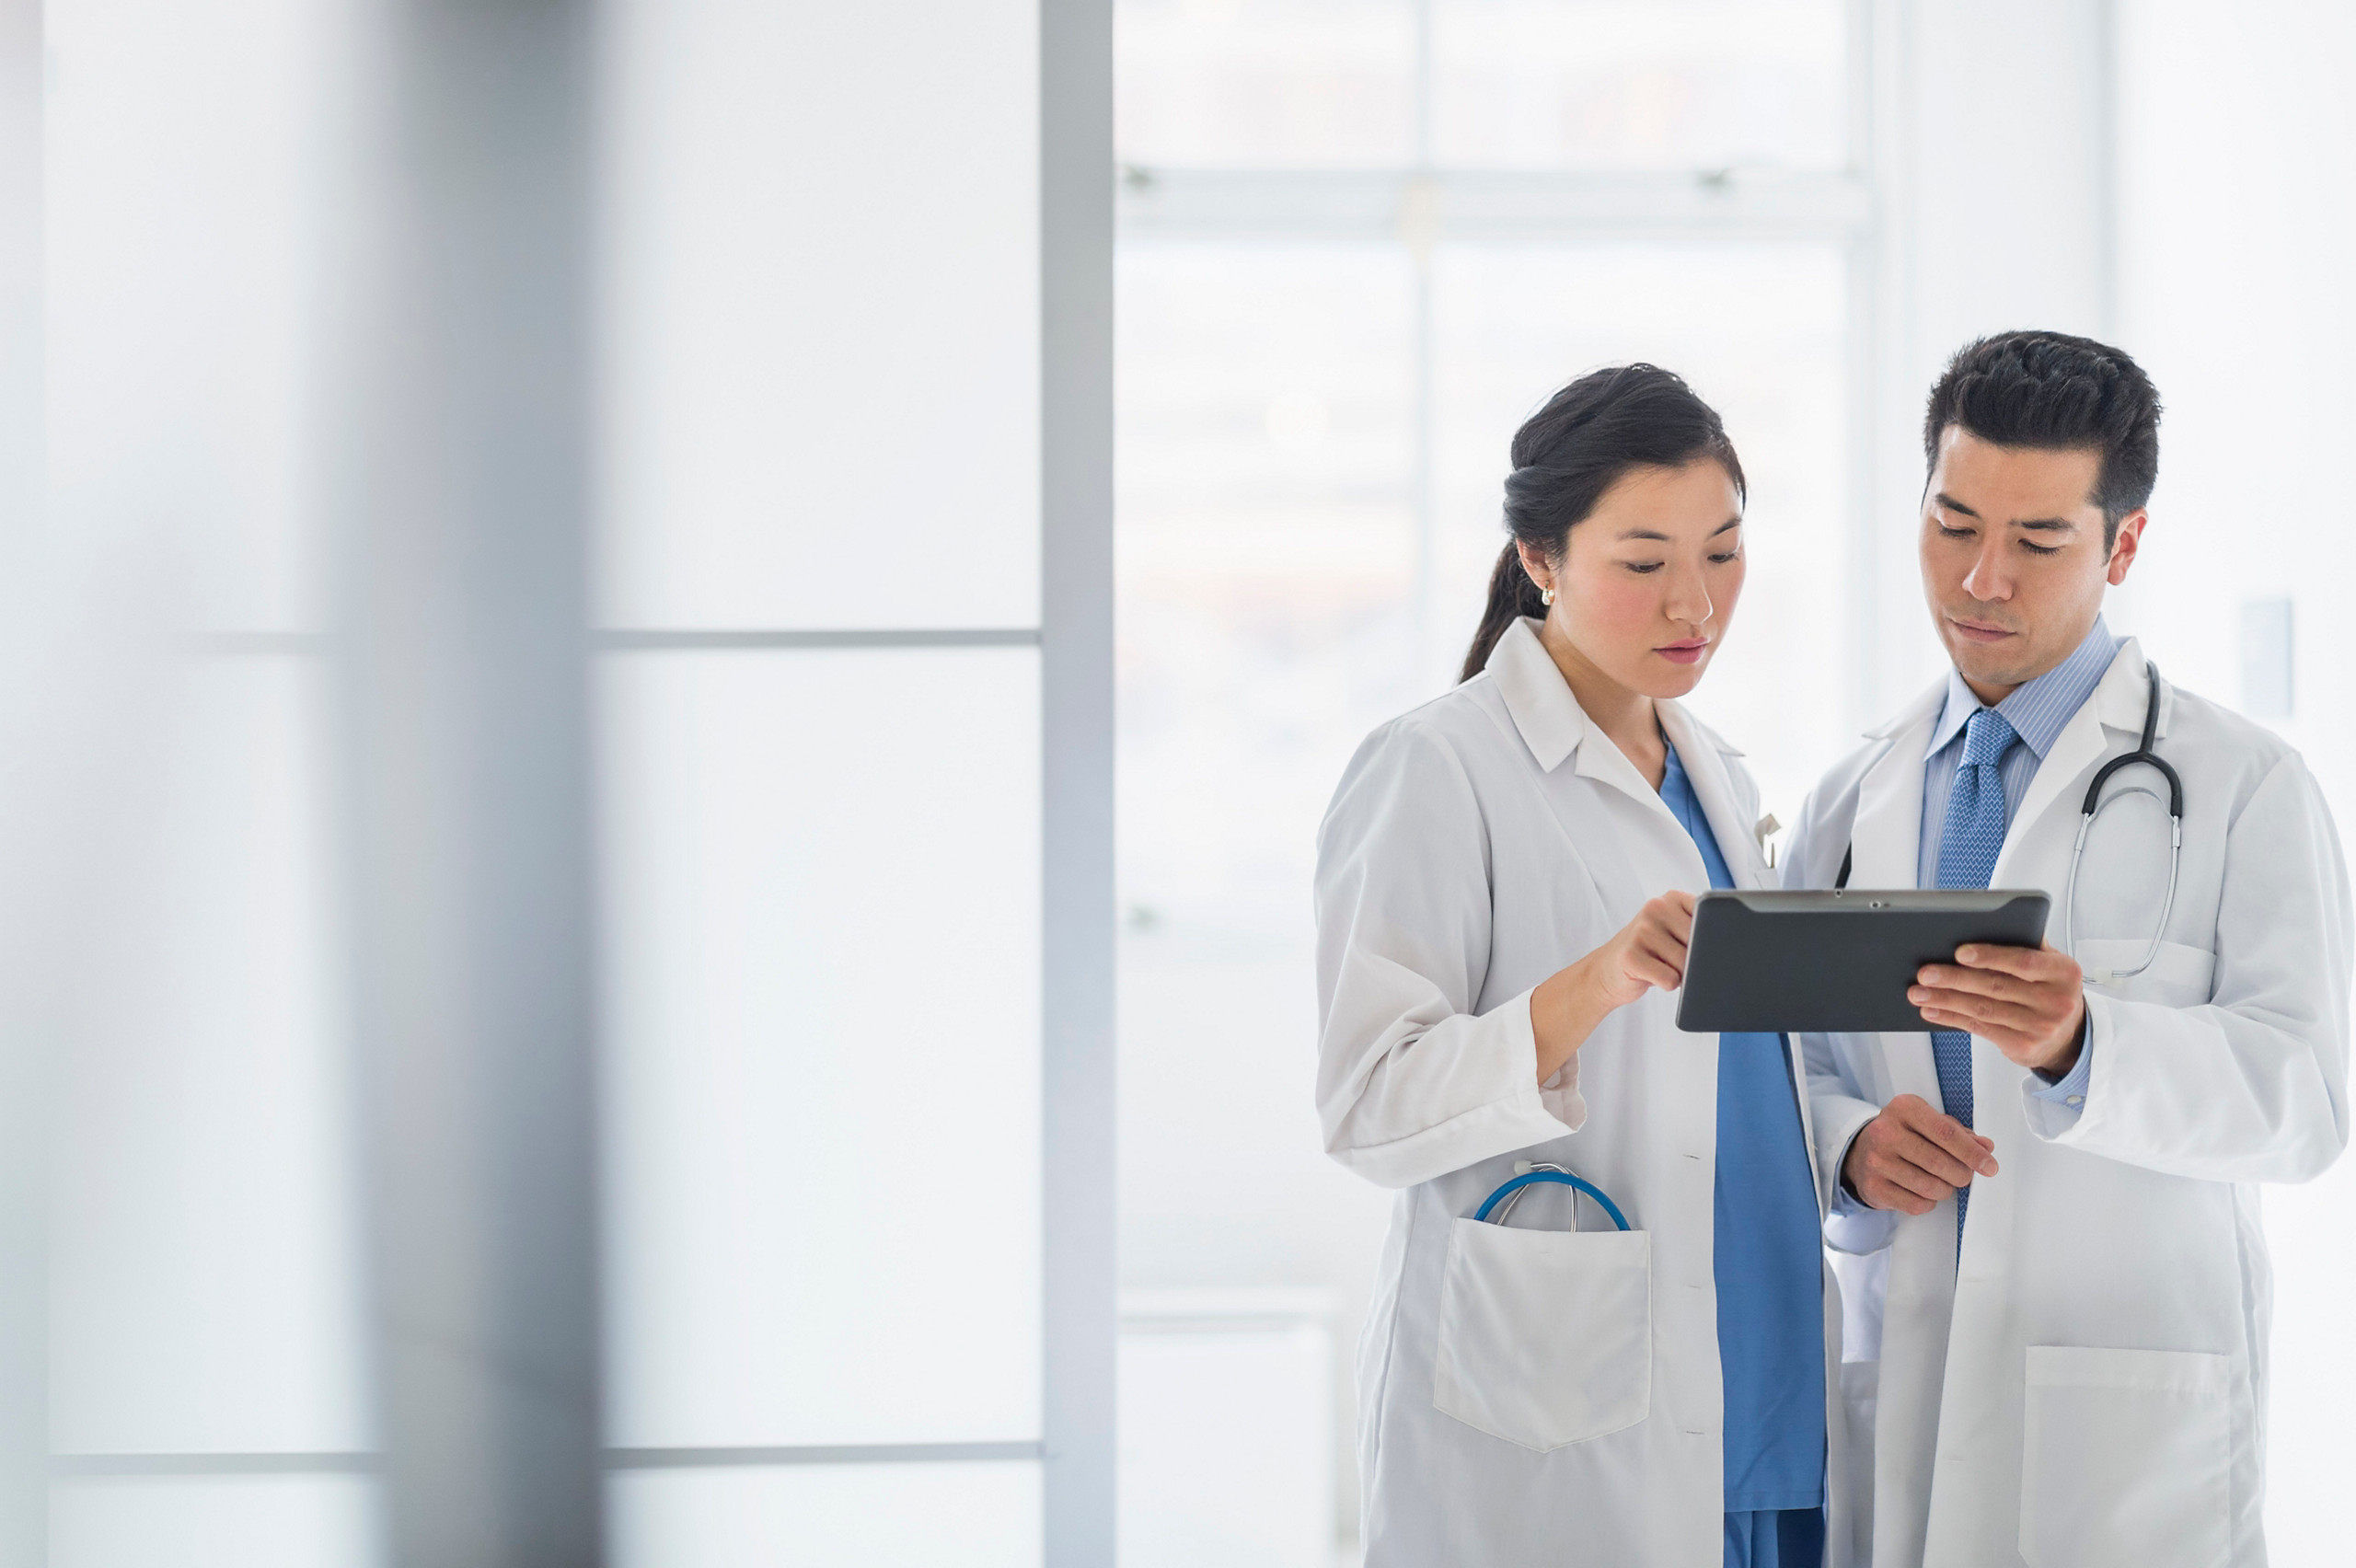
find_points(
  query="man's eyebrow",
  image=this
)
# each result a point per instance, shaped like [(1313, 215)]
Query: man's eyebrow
[(2049, 525), (1948, 502)]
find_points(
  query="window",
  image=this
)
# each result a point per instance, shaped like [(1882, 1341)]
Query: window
[(1359, 244)]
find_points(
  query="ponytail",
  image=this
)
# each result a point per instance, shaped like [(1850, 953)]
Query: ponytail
[(1587, 437), (1511, 595)]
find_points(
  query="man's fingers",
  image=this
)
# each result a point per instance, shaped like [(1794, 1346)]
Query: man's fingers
[(2025, 964), (1910, 1179), (1973, 982), (1958, 1141), (1882, 1194), (1933, 1159), (1976, 1009)]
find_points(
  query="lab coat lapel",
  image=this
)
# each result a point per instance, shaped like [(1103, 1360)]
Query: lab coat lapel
[(2060, 780), (1887, 845), (1886, 840), (1705, 768), (1556, 729)]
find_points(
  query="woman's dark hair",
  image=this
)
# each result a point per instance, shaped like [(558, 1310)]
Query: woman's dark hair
[(1582, 442)]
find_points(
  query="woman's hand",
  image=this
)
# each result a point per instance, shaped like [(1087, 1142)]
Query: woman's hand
[(1648, 951)]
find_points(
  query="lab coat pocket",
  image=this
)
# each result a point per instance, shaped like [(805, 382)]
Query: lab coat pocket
[(2126, 1459), (1545, 1336)]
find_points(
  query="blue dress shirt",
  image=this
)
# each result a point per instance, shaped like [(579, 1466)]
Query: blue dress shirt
[(1766, 1250), (2039, 711)]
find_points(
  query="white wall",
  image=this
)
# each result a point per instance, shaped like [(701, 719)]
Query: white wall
[(2237, 156), (1993, 152)]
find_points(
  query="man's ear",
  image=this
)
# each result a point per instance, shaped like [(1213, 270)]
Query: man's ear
[(2123, 548)]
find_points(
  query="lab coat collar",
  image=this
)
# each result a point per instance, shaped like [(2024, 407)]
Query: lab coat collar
[(2127, 687), (2039, 710), (2117, 704), (1549, 718), (1921, 711)]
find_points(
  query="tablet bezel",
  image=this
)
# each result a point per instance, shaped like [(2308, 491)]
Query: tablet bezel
[(1852, 952)]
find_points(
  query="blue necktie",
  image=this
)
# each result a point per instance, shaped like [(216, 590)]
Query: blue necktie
[(1967, 849)]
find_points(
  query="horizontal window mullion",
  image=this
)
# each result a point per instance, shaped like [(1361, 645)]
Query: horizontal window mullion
[(1469, 204)]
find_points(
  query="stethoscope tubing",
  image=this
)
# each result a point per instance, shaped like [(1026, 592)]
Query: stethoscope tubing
[(2143, 755), (1510, 1193)]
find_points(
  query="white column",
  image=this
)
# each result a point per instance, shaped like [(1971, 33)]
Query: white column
[(463, 505)]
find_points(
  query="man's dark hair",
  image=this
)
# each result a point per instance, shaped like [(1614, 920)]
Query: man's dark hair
[(2060, 393)]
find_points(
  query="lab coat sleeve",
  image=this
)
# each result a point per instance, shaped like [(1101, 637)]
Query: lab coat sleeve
[(2253, 1086), (1412, 1083), (1838, 1106)]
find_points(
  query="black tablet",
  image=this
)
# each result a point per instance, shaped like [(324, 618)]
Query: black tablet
[(1835, 960)]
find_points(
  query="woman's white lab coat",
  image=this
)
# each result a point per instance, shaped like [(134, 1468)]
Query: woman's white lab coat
[(2091, 1390), (1527, 1396)]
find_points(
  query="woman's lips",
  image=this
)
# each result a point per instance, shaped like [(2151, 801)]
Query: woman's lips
[(1684, 653)]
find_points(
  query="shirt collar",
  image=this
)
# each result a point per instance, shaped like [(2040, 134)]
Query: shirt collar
[(2037, 711)]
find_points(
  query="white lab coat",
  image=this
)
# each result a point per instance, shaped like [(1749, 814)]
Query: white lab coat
[(2091, 1392), (1475, 847)]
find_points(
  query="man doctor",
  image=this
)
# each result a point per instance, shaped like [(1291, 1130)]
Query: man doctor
[(2051, 1207)]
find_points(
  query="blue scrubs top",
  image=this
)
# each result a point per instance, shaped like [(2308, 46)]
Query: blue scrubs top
[(1767, 1247)]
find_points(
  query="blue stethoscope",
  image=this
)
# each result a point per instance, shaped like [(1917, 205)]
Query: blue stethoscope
[(2145, 756), (1528, 1174)]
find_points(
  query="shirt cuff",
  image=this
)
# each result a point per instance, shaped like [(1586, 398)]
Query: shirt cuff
[(1855, 1226), (2070, 1090), (2054, 1109)]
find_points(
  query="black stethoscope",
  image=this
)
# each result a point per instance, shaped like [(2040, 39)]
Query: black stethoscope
[(2093, 807), (2095, 804)]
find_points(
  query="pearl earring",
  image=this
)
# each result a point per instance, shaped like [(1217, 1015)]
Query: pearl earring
[(1546, 597)]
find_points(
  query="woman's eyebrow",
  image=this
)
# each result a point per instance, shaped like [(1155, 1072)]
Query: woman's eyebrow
[(1664, 539)]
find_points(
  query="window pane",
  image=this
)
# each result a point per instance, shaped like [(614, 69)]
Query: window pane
[(1265, 83), (1759, 332), (899, 1516), (1266, 556), (1267, 553), (1640, 83), (187, 157), (295, 1521), (206, 1247), (836, 422), (1227, 1432), (823, 915)]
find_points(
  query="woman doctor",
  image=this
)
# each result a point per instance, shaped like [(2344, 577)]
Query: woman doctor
[(1505, 882)]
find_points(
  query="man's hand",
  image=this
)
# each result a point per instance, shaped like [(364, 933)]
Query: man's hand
[(2030, 1003), (1911, 1157)]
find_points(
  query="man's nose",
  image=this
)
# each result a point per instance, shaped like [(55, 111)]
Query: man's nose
[(1988, 581)]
